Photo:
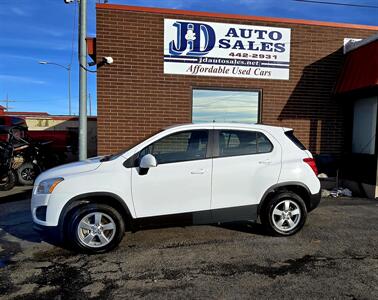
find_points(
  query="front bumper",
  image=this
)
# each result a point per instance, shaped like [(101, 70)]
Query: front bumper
[(39, 201), (314, 201), (46, 208)]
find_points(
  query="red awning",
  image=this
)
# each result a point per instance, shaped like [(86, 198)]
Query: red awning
[(360, 69)]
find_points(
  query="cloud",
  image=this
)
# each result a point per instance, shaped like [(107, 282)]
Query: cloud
[(29, 43), (16, 56), (20, 79), (19, 11), (52, 32)]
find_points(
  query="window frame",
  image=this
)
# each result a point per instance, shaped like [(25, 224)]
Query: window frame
[(216, 153), (209, 147), (212, 151), (352, 114), (259, 101)]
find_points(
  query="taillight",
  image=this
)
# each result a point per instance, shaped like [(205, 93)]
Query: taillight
[(312, 164)]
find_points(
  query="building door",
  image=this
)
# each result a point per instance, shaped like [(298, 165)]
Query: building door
[(364, 126)]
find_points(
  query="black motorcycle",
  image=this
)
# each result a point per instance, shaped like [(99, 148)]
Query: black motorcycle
[(35, 158), (28, 158), (8, 177)]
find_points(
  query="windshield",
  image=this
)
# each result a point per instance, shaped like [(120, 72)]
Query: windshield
[(111, 157)]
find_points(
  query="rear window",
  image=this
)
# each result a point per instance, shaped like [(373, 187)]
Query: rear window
[(293, 138)]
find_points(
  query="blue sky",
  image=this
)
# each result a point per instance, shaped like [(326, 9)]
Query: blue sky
[(33, 30)]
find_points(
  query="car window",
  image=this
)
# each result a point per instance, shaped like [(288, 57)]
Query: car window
[(294, 139), (182, 146), (263, 144), (233, 142)]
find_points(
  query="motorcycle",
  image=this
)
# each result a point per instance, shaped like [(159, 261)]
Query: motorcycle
[(33, 160), (8, 177), (29, 158)]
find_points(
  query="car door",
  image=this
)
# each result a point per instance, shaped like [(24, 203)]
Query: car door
[(181, 181), (245, 165)]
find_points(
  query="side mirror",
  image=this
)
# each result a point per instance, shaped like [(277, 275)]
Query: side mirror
[(148, 161)]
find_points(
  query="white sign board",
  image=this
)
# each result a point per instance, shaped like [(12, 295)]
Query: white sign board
[(226, 50)]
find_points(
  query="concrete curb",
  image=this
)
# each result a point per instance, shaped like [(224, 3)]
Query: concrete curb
[(16, 194)]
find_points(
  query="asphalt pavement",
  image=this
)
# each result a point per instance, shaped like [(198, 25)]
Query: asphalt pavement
[(335, 256)]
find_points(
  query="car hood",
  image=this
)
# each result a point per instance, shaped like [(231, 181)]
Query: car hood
[(71, 169)]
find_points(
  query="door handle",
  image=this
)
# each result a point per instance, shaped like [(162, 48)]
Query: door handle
[(200, 171), (265, 162)]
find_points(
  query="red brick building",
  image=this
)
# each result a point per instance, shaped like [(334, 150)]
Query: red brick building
[(141, 92)]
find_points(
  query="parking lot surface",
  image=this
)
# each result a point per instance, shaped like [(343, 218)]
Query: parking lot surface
[(335, 256)]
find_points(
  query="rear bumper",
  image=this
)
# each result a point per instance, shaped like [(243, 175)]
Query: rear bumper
[(314, 201)]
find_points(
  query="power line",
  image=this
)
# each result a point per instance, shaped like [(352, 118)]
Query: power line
[(337, 3)]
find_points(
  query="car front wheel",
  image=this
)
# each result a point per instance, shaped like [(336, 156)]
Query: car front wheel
[(95, 228), (285, 214)]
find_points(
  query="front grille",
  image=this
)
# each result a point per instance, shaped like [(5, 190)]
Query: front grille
[(41, 213)]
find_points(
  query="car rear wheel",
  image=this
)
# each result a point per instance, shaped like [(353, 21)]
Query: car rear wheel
[(285, 214), (95, 228)]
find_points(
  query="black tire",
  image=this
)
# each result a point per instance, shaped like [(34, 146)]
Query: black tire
[(27, 173), (8, 182), (75, 236), (271, 220)]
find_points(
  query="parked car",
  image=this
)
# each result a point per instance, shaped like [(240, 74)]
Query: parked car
[(209, 172)]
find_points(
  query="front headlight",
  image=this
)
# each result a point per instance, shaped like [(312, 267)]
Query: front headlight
[(47, 186)]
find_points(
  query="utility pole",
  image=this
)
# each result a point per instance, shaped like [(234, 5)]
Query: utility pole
[(69, 90), (6, 101), (83, 81)]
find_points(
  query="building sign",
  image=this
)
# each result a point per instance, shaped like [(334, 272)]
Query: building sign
[(226, 50)]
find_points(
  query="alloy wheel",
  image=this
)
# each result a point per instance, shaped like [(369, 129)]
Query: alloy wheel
[(286, 215), (96, 230), (28, 174)]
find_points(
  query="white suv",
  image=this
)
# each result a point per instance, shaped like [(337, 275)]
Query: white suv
[(208, 172)]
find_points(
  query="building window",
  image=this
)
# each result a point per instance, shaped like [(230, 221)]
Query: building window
[(364, 125), (225, 106)]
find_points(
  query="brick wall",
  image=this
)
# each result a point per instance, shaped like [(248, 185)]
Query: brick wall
[(135, 98)]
